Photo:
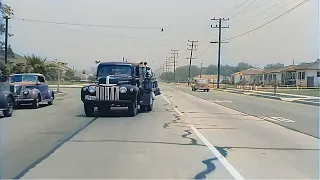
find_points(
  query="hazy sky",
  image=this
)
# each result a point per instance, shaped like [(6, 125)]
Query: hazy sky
[(292, 37)]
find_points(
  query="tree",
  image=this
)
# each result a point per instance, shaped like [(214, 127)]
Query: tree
[(76, 78), (274, 66), (69, 75), (242, 66), (5, 10), (35, 64), (10, 52), (167, 76)]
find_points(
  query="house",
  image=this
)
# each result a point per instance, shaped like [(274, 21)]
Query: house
[(308, 74), (250, 76), (285, 75)]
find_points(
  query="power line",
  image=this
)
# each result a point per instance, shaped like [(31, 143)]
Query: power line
[(254, 29), (114, 35), (237, 7), (261, 12), (88, 25), (243, 10)]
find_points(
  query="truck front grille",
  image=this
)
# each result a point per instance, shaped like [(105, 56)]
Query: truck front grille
[(105, 93)]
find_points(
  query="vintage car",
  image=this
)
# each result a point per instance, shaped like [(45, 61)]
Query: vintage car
[(200, 84), (6, 97), (30, 89)]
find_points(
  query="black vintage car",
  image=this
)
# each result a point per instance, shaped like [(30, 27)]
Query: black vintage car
[(120, 84), (6, 97), (30, 89)]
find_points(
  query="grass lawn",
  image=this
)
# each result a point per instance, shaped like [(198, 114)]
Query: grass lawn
[(306, 92)]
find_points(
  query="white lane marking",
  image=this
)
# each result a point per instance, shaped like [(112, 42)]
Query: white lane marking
[(220, 101), (165, 98), (217, 154), (276, 119)]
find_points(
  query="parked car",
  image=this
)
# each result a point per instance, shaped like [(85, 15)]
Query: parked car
[(200, 84), (6, 97), (30, 89)]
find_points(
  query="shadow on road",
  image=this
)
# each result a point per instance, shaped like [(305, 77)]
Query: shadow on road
[(114, 112)]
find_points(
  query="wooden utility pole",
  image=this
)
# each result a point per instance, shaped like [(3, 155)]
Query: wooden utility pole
[(6, 40), (175, 54), (219, 48), (193, 48), (200, 69)]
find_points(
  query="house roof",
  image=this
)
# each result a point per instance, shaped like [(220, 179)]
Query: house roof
[(284, 69), (251, 71), (312, 66)]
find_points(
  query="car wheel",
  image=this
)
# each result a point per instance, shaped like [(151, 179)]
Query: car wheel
[(89, 109), (133, 108), (9, 108), (150, 107), (36, 103), (207, 90), (51, 100)]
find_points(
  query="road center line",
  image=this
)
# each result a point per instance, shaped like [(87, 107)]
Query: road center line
[(217, 154)]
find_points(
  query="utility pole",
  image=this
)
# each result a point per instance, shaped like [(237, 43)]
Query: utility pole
[(200, 69), (219, 48), (6, 40), (193, 48), (58, 88), (175, 54), (166, 65)]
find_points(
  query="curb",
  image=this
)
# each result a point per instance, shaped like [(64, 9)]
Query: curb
[(266, 96), (306, 102)]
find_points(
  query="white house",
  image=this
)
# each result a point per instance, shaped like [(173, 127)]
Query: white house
[(308, 74), (251, 75)]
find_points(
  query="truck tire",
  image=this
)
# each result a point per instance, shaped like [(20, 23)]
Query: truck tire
[(133, 108), (89, 109), (150, 107), (9, 108)]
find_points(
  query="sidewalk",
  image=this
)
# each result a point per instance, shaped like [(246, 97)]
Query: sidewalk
[(311, 100)]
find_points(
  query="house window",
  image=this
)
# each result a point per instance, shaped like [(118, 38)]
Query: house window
[(318, 73), (274, 77), (261, 77), (303, 75)]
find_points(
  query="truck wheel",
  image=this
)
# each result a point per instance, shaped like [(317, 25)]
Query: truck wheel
[(9, 108), (36, 103), (133, 108), (89, 109), (150, 107)]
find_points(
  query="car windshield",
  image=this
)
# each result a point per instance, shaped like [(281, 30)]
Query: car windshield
[(23, 78), (114, 70)]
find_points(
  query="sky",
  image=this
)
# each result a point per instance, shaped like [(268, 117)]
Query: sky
[(294, 36)]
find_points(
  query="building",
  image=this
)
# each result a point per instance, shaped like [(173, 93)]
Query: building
[(305, 75), (249, 76)]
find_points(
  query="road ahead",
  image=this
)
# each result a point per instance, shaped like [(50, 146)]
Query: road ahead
[(185, 137), (300, 117)]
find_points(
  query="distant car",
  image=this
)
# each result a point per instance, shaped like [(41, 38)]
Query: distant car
[(200, 84), (30, 89), (6, 97)]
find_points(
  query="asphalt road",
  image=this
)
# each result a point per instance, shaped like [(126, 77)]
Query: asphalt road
[(185, 137), (305, 117)]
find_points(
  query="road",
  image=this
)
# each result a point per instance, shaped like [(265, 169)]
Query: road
[(305, 117), (185, 137)]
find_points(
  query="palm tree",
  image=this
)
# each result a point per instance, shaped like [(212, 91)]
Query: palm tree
[(36, 64)]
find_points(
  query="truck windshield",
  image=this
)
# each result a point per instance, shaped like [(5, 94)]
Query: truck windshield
[(114, 70), (23, 78)]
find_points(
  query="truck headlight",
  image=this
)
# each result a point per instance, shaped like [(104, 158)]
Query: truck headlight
[(25, 92), (123, 90), (84, 89), (92, 89), (131, 89)]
